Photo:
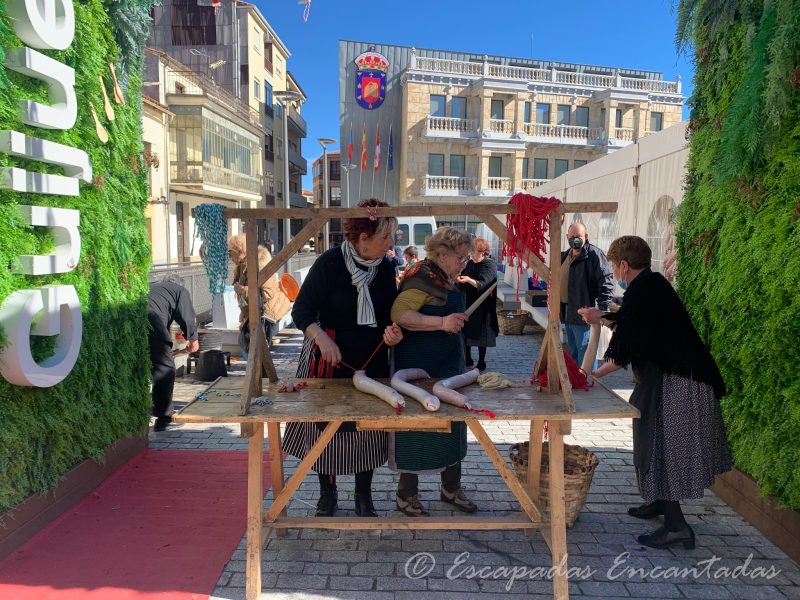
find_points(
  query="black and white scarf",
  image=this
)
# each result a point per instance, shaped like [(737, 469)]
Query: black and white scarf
[(361, 279)]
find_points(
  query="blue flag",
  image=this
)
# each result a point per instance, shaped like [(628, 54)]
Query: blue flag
[(390, 161)]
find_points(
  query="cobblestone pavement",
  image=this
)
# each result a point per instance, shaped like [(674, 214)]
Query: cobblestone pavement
[(607, 560)]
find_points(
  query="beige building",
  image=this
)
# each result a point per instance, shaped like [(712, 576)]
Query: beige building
[(334, 191), (205, 146), (476, 128)]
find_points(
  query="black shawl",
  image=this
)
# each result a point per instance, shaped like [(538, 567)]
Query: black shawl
[(653, 326)]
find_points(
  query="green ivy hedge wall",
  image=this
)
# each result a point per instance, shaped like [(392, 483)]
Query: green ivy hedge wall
[(46, 431), (739, 228)]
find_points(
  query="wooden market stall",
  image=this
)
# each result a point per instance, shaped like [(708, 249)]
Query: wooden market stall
[(335, 401)]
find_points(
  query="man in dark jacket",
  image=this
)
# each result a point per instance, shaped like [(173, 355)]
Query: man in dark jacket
[(586, 280), (167, 301)]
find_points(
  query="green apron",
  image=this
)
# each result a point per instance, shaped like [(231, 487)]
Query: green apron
[(441, 354)]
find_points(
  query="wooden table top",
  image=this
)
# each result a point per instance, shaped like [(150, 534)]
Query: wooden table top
[(339, 400)]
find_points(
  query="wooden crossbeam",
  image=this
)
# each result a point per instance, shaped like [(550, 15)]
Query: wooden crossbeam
[(451, 523), (289, 250), (404, 211)]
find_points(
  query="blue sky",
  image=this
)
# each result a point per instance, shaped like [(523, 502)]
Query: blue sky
[(636, 34)]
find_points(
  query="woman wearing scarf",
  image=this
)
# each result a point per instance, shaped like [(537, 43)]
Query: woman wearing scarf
[(430, 309), (343, 309), (679, 442)]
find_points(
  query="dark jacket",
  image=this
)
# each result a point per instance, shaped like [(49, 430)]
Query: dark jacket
[(398, 260), (485, 273), (168, 302), (591, 283)]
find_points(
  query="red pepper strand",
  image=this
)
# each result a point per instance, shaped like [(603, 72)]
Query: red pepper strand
[(488, 413), (528, 226)]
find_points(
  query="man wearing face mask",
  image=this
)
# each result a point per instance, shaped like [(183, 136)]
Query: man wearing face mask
[(586, 280)]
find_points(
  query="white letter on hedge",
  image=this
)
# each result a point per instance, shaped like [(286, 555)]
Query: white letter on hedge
[(74, 161), (59, 313), (60, 79), (43, 23), (65, 223)]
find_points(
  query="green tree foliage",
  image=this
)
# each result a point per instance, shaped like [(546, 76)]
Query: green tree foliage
[(46, 431), (739, 226)]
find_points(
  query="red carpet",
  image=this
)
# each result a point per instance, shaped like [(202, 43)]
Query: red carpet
[(163, 526)]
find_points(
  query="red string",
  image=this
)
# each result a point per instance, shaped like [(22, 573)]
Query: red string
[(577, 377), (528, 226), (488, 413)]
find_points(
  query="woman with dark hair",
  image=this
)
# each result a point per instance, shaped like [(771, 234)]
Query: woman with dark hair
[(343, 308), (481, 330), (679, 442)]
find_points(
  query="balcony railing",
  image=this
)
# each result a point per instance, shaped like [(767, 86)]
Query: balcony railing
[(197, 84), (297, 200), (499, 184), (529, 184), (298, 121), (296, 160), (562, 133), (200, 173), (479, 69), (451, 126), (502, 126), (623, 134), (268, 65), (269, 155), (437, 185)]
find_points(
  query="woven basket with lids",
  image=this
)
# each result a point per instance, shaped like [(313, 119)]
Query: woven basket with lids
[(512, 322), (579, 466)]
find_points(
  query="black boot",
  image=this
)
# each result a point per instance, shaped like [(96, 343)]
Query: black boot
[(327, 504), (363, 499)]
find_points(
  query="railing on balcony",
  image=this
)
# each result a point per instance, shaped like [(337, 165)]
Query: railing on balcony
[(297, 200), (269, 111), (478, 69), (452, 186), (501, 126), (529, 184), (450, 125), (563, 132), (298, 161), (298, 120), (457, 67), (499, 184), (200, 173), (197, 84), (268, 65), (269, 155), (624, 134)]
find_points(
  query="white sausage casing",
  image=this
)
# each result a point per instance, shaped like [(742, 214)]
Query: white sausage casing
[(375, 388), (445, 389), (400, 383)]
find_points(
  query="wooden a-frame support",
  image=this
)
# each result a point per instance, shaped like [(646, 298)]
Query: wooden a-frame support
[(550, 357)]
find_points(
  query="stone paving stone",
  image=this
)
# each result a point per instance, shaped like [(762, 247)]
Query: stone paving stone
[(321, 559)]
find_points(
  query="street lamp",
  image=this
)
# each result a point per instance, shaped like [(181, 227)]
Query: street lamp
[(325, 142), (286, 96), (347, 169)]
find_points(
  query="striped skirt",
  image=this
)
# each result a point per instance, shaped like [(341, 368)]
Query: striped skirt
[(348, 452)]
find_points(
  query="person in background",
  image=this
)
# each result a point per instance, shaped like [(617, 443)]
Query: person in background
[(343, 309), (167, 301), (430, 309), (586, 280), (679, 441), (481, 330), (411, 254), (270, 245), (273, 303), (395, 256)]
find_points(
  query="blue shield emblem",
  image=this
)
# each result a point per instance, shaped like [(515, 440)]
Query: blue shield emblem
[(371, 79)]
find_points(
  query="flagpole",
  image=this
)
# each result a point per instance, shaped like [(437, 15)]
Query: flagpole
[(385, 176), (389, 159), (361, 158), (375, 160)]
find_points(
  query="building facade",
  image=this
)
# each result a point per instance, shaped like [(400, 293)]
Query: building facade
[(334, 192), (202, 145), (236, 51), (477, 128)]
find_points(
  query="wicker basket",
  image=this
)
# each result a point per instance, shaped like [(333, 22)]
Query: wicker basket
[(512, 322), (579, 465)]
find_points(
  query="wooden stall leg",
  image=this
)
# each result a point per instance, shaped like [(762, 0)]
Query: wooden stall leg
[(534, 463), (255, 500), (558, 523), (276, 466)]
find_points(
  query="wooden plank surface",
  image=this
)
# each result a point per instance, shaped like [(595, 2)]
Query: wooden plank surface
[(339, 400)]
